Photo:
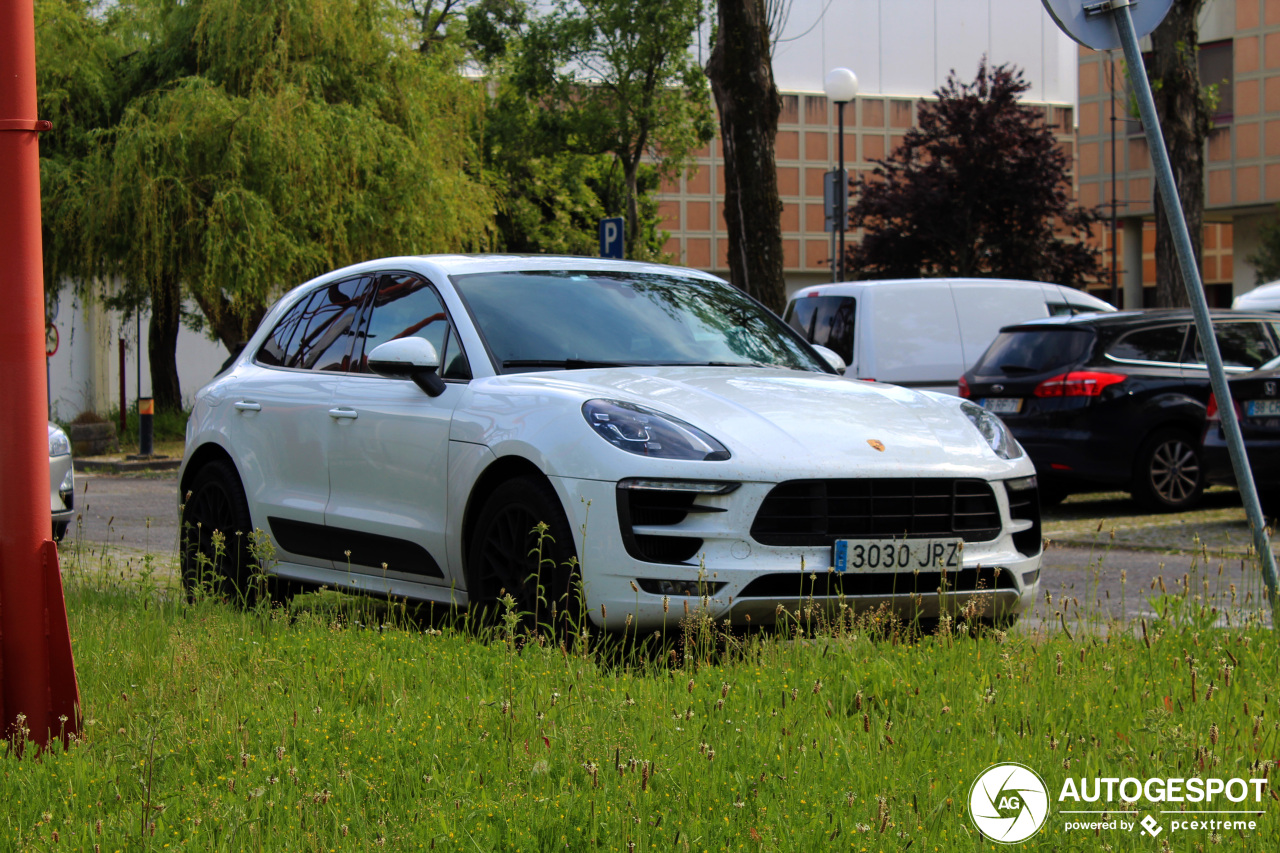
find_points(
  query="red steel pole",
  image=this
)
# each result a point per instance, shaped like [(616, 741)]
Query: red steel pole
[(35, 646)]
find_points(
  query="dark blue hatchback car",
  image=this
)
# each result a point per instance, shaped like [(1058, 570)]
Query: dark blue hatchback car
[(1257, 403), (1117, 399)]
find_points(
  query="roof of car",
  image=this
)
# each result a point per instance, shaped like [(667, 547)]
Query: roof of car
[(1138, 317), (462, 264)]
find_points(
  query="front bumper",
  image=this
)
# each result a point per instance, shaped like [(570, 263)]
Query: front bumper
[(62, 489), (733, 577)]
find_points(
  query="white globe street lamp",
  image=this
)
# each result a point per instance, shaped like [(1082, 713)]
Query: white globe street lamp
[(841, 85)]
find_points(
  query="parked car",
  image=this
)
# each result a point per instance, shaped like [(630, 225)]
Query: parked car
[(402, 425), (62, 482), (1256, 396), (1264, 297), (1115, 400), (923, 333)]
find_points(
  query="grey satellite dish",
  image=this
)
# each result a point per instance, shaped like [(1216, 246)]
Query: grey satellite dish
[(1090, 22)]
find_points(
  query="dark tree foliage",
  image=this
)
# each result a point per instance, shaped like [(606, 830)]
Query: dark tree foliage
[(741, 74), (1185, 121), (979, 188)]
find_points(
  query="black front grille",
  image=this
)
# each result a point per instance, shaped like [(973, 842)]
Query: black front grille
[(1024, 504), (639, 507), (831, 584), (818, 512)]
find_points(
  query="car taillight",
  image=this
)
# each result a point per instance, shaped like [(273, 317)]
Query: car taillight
[(964, 389), (1211, 412), (1078, 383)]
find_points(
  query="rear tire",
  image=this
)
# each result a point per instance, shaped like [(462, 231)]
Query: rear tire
[(217, 504), (1168, 475), (503, 549), (59, 530)]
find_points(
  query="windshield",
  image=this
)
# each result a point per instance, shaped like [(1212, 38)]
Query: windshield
[(556, 320), (1025, 351)]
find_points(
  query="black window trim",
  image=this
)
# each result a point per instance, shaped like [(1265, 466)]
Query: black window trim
[(306, 297), (366, 312)]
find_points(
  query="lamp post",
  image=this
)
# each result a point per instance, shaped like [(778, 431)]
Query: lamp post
[(840, 86)]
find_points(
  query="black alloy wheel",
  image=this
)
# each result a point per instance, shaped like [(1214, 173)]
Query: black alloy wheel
[(216, 505), (506, 557), (1169, 476)]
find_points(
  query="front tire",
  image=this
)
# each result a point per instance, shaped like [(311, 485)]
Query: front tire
[(216, 504), (503, 553), (1168, 475)]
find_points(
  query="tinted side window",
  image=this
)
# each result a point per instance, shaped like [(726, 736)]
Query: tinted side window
[(406, 306), (826, 321), (1241, 344), (325, 332), (1024, 352), (274, 352), (1161, 344)]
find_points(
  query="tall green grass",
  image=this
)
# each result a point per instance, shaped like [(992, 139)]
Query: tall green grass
[(337, 725)]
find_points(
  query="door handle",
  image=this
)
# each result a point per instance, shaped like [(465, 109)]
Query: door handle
[(248, 406), (343, 414)]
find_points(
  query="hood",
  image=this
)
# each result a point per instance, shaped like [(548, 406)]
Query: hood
[(794, 420)]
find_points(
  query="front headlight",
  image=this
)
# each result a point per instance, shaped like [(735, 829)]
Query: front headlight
[(993, 430), (59, 444), (645, 432)]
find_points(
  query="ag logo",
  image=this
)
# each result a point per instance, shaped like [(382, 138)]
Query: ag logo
[(1008, 803)]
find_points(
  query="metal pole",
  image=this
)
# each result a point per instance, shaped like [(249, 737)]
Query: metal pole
[(1115, 284), (31, 686), (1168, 193), (843, 193)]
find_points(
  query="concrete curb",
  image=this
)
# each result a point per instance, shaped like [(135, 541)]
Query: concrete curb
[(112, 465)]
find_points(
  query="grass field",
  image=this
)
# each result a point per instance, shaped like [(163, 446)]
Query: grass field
[(344, 725)]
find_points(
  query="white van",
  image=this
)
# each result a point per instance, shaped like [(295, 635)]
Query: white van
[(1264, 297), (923, 332)]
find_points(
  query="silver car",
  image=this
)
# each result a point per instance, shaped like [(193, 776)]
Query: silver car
[(62, 482)]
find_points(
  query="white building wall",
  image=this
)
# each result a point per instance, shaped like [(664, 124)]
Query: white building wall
[(84, 373), (908, 47)]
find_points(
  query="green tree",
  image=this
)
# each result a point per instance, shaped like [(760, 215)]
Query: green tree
[(604, 77), (979, 188), (741, 74), (262, 142), (1185, 120)]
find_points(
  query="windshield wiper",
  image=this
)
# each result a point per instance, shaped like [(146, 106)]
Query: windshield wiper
[(566, 363), (717, 364), (1010, 369)]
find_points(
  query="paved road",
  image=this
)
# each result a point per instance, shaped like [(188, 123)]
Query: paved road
[(136, 514), (1083, 568)]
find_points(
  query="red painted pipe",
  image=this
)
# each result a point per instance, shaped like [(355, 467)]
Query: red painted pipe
[(34, 640)]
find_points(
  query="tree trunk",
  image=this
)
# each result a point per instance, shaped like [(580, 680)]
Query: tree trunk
[(228, 328), (741, 74), (1185, 122), (162, 349), (631, 237)]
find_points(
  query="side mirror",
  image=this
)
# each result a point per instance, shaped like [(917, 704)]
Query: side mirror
[(409, 358), (832, 358)]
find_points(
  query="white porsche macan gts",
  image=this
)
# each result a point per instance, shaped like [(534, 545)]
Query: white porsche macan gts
[(401, 426)]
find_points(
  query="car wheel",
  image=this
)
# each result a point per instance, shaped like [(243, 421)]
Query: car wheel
[(505, 553), (1269, 500), (59, 530), (216, 505), (1168, 476)]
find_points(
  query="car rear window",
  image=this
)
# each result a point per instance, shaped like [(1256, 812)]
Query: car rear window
[(1161, 344), (1028, 351), (826, 321)]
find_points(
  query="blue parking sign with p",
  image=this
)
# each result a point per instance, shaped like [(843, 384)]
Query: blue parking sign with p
[(611, 237)]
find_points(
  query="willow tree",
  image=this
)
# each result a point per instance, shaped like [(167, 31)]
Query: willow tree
[(261, 143)]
